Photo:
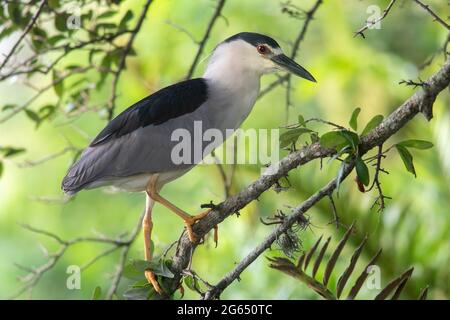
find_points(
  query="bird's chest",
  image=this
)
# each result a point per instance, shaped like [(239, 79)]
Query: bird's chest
[(230, 107)]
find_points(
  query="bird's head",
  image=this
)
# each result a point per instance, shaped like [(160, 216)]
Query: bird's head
[(255, 53)]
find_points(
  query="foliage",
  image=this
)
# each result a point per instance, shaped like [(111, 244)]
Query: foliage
[(323, 288), (61, 84), (346, 141)]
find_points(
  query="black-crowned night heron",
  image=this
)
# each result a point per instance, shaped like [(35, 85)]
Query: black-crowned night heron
[(134, 151)]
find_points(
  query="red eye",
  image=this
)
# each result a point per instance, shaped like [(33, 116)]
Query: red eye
[(262, 49)]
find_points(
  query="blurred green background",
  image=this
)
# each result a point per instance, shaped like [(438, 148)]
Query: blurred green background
[(414, 230)]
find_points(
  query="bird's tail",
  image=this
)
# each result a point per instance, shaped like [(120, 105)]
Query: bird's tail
[(79, 175), (70, 185)]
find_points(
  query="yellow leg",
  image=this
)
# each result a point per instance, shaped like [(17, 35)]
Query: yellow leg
[(147, 226), (189, 220)]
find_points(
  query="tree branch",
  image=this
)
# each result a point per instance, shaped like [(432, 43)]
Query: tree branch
[(421, 101), (41, 91), (300, 37), (24, 33), (202, 43), (274, 235), (35, 274), (123, 259), (431, 12), (126, 51), (67, 49), (375, 21)]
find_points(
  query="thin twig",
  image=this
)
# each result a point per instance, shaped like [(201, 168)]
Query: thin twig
[(435, 16), (35, 274), (288, 221), (24, 33), (67, 49), (326, 122), (24, 106), (182, 30), (395, 121), (334, 210), (32, 163), (227, 180), (375, 21), (123, 259), (376, 137), (202, 43), (300, 37), (380, 200), (125, 52)]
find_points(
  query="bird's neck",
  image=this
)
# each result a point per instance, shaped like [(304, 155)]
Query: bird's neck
[(232, 74), (233, 90)]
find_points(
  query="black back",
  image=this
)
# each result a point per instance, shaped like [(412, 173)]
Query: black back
[(171, 102)]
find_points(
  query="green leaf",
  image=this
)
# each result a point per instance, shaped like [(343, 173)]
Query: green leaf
[(192, 283), (351, 137), (78, 83), (340, 152), (407, 158), (164, 270), (55, 39), (58, 85), (33, 116), (136, 268), (92, 53), (39, 33), (107, 14), (73, 66), (291, 136), (332, 139), (1, 169), (132, 52), (97, 293), (105, 26), (10, 151), (354, 119), (53, 4), (106, 63), (46, 111), (6, 31), (417, 144), (126, 18), (116, 57), (14, 12), (61, 21), (9, 106), (301, 120), (87, 17), (340, 174), (141, 283), (130, 271), (314, 137), (362, 171), (139, 293), (373, 123)]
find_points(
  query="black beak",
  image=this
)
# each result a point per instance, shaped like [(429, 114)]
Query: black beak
[(291, 66)]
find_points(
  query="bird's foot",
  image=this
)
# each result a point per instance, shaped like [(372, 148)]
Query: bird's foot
[(151, 278), (192, 220)]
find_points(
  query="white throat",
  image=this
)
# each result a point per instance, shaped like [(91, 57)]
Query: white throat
[(234, 66), (233, 76)]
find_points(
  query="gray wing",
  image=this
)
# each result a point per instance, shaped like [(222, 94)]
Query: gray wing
[(139, 139)]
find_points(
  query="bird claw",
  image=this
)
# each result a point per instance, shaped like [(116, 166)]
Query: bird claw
[(192, 220), (151, 278)]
